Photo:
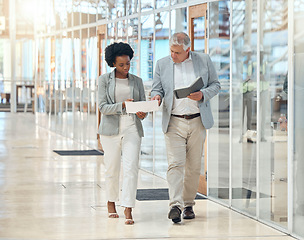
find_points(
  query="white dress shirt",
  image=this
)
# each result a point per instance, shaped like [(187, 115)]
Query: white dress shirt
[(183, 77)]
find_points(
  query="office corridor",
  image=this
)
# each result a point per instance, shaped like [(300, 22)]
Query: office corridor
[(47, 196)]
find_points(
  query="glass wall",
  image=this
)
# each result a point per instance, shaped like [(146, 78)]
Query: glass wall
[(179, 20), (298, 92), (76, 12), (89, 90), (101, 9), (272, 127), (147, 47), (133, 41), (57, 99), (146, 5), (162, 34), (49, 68), (133, 6), (244, 106), (122, 31), (161, 3), (84, 9), (173, 2), (146, 73), (218, 136), (92, 11), (40, 83)]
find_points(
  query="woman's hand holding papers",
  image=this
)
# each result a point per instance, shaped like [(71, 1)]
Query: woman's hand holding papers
[(141, 115), (124, 103)]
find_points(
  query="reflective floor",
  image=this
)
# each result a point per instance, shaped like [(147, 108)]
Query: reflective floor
[(47, 196)]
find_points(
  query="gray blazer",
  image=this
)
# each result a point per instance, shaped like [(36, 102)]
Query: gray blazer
[(163, 85), (111, 111)]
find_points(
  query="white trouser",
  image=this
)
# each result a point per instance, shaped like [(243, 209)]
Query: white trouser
[(184, 142), (125, 146)]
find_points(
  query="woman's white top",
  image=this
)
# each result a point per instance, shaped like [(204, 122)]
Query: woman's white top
[(122, 90)]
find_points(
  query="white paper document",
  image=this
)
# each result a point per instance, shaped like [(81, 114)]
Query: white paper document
[(142, 106)]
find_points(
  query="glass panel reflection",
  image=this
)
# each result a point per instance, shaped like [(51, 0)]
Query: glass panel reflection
[(48, 72), (161, 3), (146, 5), (218, 141), (147, 23), (122, 31), (146, 70), (112, 32), (76, 12), (121, 6), (173, 2), (244, 101), (69, 6), (84, 10), (161, 50), (85, 72), (273, 108), (298, 196), (67, 69), (111, 37), (199, 34), (41, 84), (102, 9), (179, 20), (133, 41), (92, 11), (161, 35), (112, 10), (89, 91), (60, 14), (71, 95), (133, 6)]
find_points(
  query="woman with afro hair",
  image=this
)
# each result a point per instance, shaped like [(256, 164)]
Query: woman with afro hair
[(120, 133)]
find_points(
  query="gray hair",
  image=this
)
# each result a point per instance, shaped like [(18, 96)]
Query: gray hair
[(180, 39)]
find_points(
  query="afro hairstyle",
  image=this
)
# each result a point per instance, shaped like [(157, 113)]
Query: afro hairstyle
[(115, 50)]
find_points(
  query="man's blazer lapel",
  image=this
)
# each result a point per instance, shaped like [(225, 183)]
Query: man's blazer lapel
[(196, 66), (171, 75)]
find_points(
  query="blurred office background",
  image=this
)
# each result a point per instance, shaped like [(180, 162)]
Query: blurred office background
[(52, 52)]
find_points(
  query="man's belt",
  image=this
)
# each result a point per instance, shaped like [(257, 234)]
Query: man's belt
[(187, 116)]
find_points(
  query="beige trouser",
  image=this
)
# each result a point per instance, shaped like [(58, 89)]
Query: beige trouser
[(184, 141)]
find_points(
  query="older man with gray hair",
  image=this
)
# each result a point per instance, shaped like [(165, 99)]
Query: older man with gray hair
[(185, 120)]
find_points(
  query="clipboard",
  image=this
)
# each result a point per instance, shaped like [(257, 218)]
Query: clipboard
[(194, 87)]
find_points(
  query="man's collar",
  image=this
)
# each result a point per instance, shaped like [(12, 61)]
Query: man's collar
[(189, 58)]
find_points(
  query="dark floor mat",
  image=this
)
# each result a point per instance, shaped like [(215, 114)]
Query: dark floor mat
[(156, 194), (78, 152)]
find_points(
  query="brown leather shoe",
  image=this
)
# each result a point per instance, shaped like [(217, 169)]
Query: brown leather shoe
[(188, 213)]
